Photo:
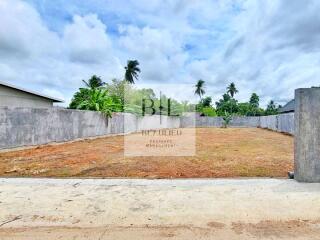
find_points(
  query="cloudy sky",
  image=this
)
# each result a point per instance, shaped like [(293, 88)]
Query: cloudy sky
[(267, 47)]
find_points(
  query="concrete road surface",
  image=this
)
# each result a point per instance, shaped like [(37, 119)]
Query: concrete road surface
[(158, 209)]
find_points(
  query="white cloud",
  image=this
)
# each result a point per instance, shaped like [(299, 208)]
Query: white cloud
[(268, 47), (86, 40), (159, 52), (271, 51), (34, 57), (22, 32)]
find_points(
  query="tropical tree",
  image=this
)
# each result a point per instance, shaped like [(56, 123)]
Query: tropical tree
[(205, 108), (79, 97), (99, 100), (271, 109), (83, 94), (244, 109), (206, 102), (117, 89), (199, 88), (226, 105), (247, 109), (94, 82), (208, 111), (132, 71), (231, 89), (254, 100), (96, 97)]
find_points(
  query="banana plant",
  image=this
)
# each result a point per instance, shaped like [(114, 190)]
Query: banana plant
[(99, 100)]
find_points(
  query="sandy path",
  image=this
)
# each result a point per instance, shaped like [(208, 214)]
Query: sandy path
[(158, 209)]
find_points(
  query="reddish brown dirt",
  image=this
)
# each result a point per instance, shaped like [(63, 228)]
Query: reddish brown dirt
[(232, 152), (268, 230)]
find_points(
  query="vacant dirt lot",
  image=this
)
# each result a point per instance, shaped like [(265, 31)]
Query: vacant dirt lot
[(232, 152)]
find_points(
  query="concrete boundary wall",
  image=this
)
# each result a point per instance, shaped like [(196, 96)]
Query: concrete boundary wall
[(27, 126), (280, 123), (218, 122), (286, 123)]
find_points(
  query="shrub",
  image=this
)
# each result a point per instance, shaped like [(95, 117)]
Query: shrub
[(208, 111), (226, 119)]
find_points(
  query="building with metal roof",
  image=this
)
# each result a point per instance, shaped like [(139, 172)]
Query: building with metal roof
[(289, 107), (13, 96)]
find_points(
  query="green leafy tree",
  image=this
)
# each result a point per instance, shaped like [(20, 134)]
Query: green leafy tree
[(83, 94), (209, 112), (95, 97), (271, 109), (134, 98), (94, 82), (79, 97), (187, 107), (199, 88), (132, 71), (226, 105), (244, 109), (204, 102), (250, 108), (119, 96), (225, 98), (99, 100), (116, 90), (254, 100), (205, 108), (247, 109), (232, 90)]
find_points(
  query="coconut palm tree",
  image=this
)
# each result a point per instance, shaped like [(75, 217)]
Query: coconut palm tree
[(199, 88), (232, 90), (94, 82), (132, 71)]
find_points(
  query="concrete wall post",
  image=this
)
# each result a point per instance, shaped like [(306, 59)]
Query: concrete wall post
[(307, 135)]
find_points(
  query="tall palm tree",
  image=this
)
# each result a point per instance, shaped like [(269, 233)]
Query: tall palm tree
[(232, 90), (132, 71), (200, 88), (94, 82)]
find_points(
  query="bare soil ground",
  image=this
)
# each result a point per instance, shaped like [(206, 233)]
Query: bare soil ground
[(267, 230), (232, 152), (180, 209)]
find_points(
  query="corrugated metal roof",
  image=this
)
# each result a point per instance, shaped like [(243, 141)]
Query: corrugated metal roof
[(31, 92), (289, 107)]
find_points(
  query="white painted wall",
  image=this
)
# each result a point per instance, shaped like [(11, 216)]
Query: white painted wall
[(10, 97)]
